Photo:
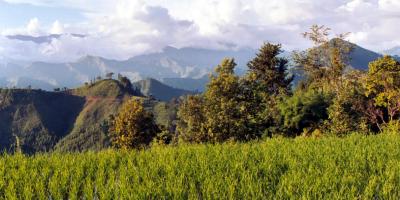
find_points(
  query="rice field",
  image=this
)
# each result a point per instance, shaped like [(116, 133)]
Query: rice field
[(355, 167)]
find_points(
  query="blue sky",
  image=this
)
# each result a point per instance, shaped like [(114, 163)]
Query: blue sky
[(18, 15), (120, 29)]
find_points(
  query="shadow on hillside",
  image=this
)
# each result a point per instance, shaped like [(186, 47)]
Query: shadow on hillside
[(58, 112)]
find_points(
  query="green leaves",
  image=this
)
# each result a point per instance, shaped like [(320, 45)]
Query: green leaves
[(383, 85), (305, 109)]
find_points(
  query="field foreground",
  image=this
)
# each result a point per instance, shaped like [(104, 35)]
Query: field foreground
[(366, 167)]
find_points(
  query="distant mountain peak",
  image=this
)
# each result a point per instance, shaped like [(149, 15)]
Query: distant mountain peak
[(360, 57)]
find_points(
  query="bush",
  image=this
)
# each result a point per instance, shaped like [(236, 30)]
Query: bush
[(304, 110), (133, 127)]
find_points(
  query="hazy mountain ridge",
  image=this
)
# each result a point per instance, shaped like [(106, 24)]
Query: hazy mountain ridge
[(185, 68), (188, 63)]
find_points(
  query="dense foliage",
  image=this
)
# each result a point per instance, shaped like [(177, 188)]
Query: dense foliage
[(356, 167), (233, 107), (331, 98)]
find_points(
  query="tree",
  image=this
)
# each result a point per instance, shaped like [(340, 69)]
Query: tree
[(125, 81), (127, 84), (324, 64), (191, 120), (218, 114), (223, 106), (324, 67), (269, 71), (266, 82), (109, 75), (133, 127), (347, 111), (383, 86)]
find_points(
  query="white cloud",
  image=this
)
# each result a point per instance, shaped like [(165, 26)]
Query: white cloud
[(57, 28), (123, 28), (354, 5), (33, 27), (389, 5), (358, 37)]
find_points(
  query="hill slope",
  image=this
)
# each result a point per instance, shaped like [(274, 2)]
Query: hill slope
[(359, 56), (37, 118)]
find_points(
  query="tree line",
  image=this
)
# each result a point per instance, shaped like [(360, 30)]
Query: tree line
[(330, 99)]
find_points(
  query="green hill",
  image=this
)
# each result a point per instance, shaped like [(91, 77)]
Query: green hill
[(72, 120), (102, 99)]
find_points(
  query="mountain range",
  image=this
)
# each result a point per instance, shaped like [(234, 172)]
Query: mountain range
[(185, 68), (171, 63)]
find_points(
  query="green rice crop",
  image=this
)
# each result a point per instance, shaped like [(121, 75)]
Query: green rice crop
[(355, 167)]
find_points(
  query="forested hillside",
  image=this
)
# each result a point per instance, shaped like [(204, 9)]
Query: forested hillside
[(38, 119), (69, 120)]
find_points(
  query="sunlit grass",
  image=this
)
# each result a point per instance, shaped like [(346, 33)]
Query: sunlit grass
[(328, 168)]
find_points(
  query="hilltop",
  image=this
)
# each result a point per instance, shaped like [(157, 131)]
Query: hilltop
[(102, 100)]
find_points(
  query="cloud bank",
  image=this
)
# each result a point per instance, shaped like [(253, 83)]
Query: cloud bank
[(123, 28)]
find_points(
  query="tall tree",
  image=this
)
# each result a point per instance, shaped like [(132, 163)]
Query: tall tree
[(223, 106), (269, 71), (263, 86), (133, 127), (218, 114), (324, 64)]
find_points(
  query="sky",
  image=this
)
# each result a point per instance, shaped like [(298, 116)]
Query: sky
[(120, 29)]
